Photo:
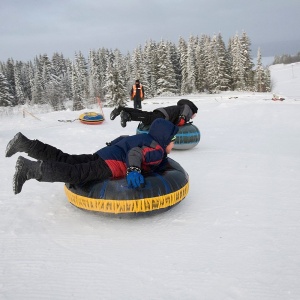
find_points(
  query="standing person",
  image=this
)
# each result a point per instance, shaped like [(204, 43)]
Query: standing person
[(130, 156), (137, 94), (178, 114)]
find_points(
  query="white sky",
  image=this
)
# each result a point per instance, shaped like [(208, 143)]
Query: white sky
[(32, 27)]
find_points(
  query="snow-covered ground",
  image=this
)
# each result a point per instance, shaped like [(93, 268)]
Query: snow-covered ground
[(235, 235)]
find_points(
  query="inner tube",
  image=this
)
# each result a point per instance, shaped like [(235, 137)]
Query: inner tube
[(91, 118), (187, 137), (163, 189)]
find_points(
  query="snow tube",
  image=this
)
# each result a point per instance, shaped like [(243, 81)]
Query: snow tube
[(91, 118), (163, 189), (187, 137)]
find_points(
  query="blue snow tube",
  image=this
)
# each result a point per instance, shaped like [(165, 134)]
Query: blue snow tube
[(187, 137)]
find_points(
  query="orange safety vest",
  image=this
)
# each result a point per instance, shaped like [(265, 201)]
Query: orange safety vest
[(134, 92)]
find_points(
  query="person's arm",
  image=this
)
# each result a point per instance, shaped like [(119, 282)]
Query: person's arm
[(143, 93), (134, 168), (185, 115), (131, 93)]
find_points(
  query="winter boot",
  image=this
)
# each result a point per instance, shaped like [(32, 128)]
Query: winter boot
[(25, 169), (115, 112), (19, 143), (125, 117)]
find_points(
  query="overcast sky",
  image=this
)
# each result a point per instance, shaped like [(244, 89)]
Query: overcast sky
[(32, 27)]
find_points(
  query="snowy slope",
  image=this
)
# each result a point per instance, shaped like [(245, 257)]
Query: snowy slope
[(235, 236)]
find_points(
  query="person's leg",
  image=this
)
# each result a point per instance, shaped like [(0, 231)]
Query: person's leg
[(45, 152), (19, 143), (138, 104), (146, 117), (115, 112), (130, 114), (38, 150), (52, 171)]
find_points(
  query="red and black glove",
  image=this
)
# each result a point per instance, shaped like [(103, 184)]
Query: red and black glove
[(181, 121)]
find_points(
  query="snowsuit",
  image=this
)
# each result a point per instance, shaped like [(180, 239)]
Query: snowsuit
[(184, 109), (143, 151)]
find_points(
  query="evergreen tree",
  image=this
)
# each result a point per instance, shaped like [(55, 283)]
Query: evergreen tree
[(247, 61), (137, 66), (259, 74), (119, 71), (182, 49), (166, 82), (211, 65), (190, 86), (10, 76), (163, 68), (223, 80), (94, 74), (110, 85), (19, 86), (151, 63), (200, 64), (36, 85), (80, 81), (54, 92), (262, 76), (268, 80), (127, 74), (6, 97), (103, 55), (238, 74), (175, 59)]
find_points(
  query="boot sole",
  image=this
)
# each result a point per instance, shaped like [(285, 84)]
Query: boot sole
[(19, 166)]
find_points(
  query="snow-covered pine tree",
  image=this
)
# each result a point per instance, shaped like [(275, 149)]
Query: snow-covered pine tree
[(211, 65), (223, 76), (36, 84), (262, 76), (6, 97), (80, 81), (119, 71), (182, 49), (166, 82), (259, 74), (191, 65), (110, 85), (136, 62), (175, 59), (10, 76), (151, 63), (248, 64), (238, 60), (200, 64), (20, 95), (94, 74)]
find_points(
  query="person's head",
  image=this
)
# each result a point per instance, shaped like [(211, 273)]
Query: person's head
[(171, 145), (191, 105), (163, 132), (137, 81)]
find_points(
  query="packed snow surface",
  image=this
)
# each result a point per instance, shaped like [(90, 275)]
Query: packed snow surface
[(235, 235)]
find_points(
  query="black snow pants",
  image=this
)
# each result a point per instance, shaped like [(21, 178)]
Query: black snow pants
[(146, 117), (58, 166)]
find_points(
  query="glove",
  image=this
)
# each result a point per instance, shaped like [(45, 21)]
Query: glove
[(181, 121), (134, 178)]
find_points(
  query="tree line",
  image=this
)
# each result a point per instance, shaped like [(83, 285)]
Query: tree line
[(199, 64), (286, 59)]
